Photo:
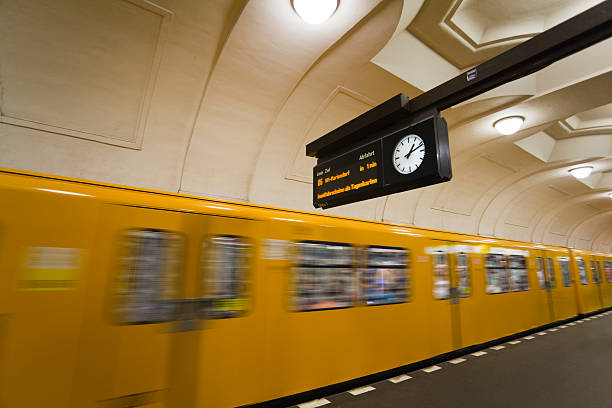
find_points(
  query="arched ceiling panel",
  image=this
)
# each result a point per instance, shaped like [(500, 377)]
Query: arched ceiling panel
[(468, 32), (341, 83), (340, 107), (266, 55), (549, 213), (585, 232), (565, 222), (603, 241)]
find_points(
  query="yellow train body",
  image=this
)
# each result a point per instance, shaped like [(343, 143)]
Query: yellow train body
[(62, 343)]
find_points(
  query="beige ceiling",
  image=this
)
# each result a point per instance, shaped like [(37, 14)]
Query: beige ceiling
[(219, 98)]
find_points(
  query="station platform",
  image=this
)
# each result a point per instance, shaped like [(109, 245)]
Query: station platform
[(566, 366)]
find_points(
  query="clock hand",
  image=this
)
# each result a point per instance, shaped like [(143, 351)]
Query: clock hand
[(412, 149)]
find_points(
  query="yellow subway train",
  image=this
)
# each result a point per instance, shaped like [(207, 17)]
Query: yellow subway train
[(113, 296)]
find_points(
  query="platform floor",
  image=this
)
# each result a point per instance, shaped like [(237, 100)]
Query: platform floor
[(566, 366)]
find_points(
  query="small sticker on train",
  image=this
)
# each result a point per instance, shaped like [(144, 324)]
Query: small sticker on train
[(275, 249), (51, 268)]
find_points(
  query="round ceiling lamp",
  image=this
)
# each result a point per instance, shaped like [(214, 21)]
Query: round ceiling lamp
[(581, 172), (510, 125), (315, 11)]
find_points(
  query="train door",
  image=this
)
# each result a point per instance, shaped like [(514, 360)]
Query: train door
[(216, 334), (565, 297), (546, 270), (596, 276), (453, 281), (583, 286), (132, 295), (606, 264), (588, 287)]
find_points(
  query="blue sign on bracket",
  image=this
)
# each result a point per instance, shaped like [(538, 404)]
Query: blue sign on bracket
[(471, 74)]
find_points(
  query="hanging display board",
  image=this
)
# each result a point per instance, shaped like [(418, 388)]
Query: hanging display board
[(401, 159)]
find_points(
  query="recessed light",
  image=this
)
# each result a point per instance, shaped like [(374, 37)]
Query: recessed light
[(581, 172), (315, 11), (509, 125)]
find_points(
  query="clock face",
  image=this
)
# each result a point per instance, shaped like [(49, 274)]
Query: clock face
[(408, 154)]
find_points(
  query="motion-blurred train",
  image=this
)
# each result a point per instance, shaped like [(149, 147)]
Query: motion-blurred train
[(121, 297)]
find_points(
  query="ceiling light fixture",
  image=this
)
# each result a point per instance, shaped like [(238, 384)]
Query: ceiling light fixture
[(610, 194), (315, 11), (581, 172), (509, 125)]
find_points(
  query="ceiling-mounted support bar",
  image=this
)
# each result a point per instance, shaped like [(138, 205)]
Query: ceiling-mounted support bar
[(569, 37), (558, 42)]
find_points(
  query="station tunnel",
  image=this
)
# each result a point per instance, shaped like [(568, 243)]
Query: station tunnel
[(158, 241)]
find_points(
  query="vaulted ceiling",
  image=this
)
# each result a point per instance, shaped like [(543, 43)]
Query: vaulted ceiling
[(219, 98)]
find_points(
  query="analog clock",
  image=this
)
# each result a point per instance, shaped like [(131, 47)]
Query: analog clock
[(408, 154)]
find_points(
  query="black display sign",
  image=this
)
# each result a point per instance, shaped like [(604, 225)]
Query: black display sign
[(350, 175), (401, 159)]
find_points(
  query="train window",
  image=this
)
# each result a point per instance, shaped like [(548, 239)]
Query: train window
[(384, 279), (497, 279), (541, 276), (148, 283), (519, 280), (551, 273), (594, 273), (582, 272), (608, 270), (462, 271), (441, 289), (322, 276), (224, 275), (565, 272)]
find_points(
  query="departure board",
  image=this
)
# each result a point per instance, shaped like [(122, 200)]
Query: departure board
[(401, 158), (355, 172)]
